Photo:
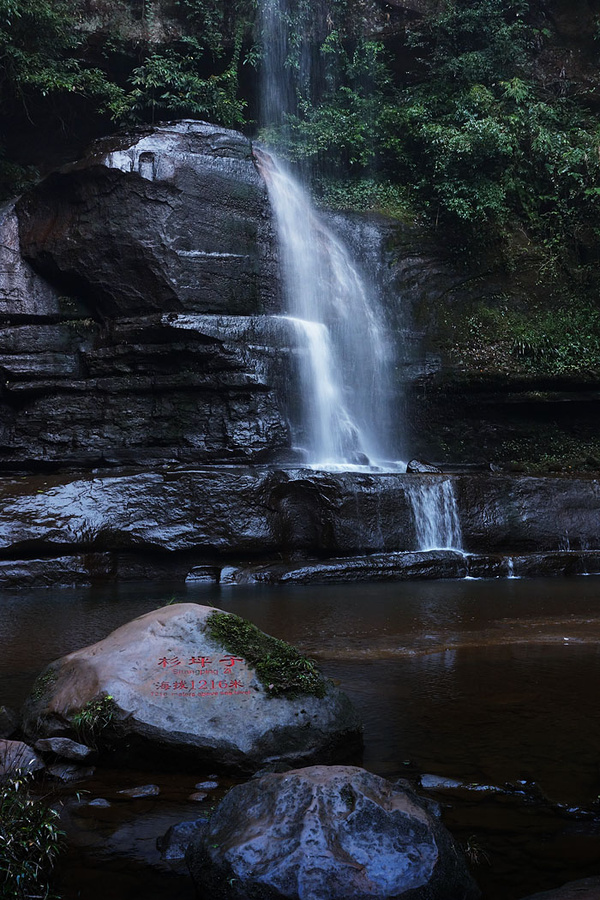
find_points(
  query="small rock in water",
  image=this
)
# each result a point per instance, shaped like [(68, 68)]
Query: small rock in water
[(64, 747), (68, 772), (100, 803), (437, 783), (206, 785), (198, 796), (144, 790)]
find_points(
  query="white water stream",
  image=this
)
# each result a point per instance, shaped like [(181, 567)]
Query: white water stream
[(342, 346), (341, 395), (437, 525)]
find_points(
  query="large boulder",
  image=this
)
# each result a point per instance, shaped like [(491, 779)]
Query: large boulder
[(170, 218), (193, 686), (335, 832), (137, 288)]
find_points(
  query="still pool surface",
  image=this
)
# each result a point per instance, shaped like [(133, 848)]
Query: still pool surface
[(490, 683)]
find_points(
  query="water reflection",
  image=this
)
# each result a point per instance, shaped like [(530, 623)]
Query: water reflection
[(481, 681)]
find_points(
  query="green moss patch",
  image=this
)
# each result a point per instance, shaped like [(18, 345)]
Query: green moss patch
[(281, 669), (43, 683)]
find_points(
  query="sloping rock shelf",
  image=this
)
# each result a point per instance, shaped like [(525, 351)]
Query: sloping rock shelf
[(241, 525)]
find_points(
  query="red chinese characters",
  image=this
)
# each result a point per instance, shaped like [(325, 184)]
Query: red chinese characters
[(217, 676), (164, 662)]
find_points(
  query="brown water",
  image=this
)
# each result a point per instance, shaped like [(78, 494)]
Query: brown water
[(485, 682)]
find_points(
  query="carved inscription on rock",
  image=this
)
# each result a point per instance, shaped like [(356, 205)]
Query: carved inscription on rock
[(181, 675)]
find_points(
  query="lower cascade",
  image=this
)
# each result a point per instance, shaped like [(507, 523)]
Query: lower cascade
[(343, 348), (437, 524)]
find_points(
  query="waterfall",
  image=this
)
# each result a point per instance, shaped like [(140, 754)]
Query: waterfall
[(435, 512), (340, 412), (343, 348)]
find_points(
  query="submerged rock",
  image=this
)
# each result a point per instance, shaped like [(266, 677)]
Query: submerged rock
[(335, 832), (68, 772), (169, 685), (584, 889), (140, 792)]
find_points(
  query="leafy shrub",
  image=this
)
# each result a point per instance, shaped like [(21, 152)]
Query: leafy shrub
[(479, 145), (168, 83), (29, 840)]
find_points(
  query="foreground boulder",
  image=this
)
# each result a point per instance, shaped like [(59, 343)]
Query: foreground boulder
[(193, 685), (335, 832)]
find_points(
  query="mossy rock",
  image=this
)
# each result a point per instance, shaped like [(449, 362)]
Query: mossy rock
[(188, 685)]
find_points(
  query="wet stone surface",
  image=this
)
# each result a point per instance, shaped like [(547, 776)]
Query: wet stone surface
[(165, 688)]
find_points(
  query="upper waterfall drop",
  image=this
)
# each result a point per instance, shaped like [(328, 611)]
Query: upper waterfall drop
[(343, 348), (342, 414)]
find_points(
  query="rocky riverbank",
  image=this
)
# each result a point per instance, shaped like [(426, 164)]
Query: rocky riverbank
[(209, 523)]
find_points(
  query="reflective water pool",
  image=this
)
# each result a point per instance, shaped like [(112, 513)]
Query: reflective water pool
[(488, 683)]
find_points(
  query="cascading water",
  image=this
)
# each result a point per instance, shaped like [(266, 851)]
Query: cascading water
[(343, 347), (437, 525), (342, 344)]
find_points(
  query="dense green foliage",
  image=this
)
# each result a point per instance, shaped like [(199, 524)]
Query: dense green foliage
[(43, 70), (467, 135), (561, 339), (29, 840), (282, 670), (38, 43), (197, 75), (167, 84), (477, 142), (39, 64)]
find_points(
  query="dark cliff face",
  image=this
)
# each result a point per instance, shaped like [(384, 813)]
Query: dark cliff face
[(141, 331), (148, 333), (159, 266), (173, 219)]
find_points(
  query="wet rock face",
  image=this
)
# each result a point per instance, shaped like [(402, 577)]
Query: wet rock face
[(22, 292), (228, 512), (140, 391), (142, 336), (174, 219), (337, 832), (176, 694)]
